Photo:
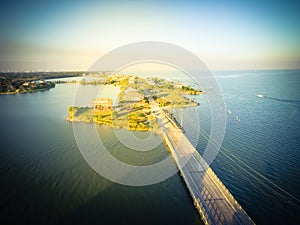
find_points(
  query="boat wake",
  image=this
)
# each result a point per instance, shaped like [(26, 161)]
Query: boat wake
[(279, 99)]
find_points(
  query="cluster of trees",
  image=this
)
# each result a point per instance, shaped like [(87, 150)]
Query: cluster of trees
[(16, 85), (137, 121), (11, 82), (162, 102), (102, 119), (65, 81), (6, 86), (92, 82), (190, 90), (123, 82), (137, 117), (38, 75), (72, 111), (168, 85)]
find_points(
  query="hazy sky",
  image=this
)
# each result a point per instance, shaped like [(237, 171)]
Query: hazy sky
[(71, 35)]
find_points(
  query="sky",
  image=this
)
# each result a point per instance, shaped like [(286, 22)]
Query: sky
[(64, 35)]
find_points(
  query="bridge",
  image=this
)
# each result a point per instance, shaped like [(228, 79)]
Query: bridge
[(212, 199)]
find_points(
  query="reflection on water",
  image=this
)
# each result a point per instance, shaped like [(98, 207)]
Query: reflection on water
[(45, 180), (259, 159)]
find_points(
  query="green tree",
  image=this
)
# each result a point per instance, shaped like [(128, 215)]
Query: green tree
[(72, 111)]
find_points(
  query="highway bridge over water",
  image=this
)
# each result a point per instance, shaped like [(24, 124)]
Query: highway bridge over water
[(212, 199)]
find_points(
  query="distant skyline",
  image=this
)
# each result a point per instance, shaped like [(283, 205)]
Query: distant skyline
[(72, 35)]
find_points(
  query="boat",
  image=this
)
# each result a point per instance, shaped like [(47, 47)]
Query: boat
[(260, 96)]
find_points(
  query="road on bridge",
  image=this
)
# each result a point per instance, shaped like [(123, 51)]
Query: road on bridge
[(212, 199)]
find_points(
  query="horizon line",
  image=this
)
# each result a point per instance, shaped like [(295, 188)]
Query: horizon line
[(83, 71)]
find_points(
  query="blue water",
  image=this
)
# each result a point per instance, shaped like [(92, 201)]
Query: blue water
[(44, 179), (268, 140), (260, 156)]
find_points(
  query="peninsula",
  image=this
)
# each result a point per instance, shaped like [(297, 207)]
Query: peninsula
[(143, 105), (137, 102)]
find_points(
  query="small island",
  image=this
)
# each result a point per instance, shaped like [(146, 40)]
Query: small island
[(137, 101)]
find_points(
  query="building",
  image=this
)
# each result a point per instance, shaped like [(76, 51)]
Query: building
[(101, 103)]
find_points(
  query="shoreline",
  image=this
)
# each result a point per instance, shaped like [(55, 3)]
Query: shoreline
[(25, 92), (136, 106), (90, 116), (155, 131)]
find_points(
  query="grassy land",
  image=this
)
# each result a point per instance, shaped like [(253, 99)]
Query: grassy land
[(174, 100), (136, 115), (138, 118)]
